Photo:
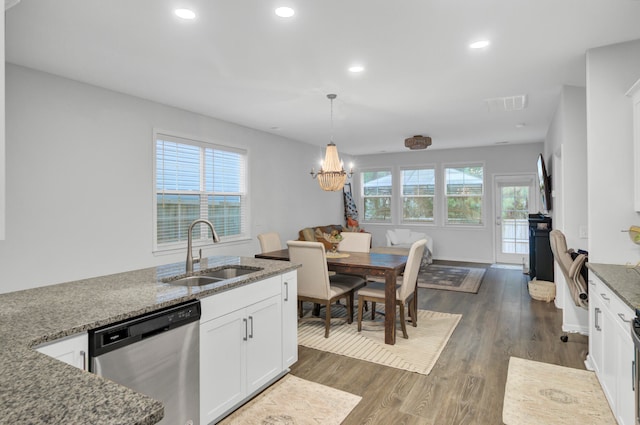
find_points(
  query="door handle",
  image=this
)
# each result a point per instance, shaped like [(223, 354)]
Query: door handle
[(498, 221), (595, 319), (251, 327), (84, 360), (245, 329), (286, 291)]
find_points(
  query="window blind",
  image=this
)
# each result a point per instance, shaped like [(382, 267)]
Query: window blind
[(198, 180)]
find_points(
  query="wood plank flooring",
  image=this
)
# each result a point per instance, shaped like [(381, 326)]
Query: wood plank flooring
[(466, 386)]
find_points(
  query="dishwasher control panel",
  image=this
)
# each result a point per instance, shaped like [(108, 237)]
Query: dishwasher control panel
[(117, 335)]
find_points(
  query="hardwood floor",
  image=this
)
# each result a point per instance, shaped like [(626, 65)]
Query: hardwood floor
[(466, 386)]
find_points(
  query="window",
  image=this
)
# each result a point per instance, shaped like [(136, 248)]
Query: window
[(198, 180), (418, 192), (464, 191), (376, 195)]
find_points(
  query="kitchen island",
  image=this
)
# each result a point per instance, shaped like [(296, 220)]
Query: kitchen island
[(37, 389)]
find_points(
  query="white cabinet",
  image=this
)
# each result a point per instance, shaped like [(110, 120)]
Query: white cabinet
[(611, 350), (289, 318), (71, 350), (634, 93), (241, 343)]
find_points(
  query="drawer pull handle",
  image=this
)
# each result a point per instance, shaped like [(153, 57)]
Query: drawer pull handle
[(623, 318), (605, 297), (592, 283), (596, 325), (286, 287)]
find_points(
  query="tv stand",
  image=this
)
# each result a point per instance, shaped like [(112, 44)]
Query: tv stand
[(540, 254)]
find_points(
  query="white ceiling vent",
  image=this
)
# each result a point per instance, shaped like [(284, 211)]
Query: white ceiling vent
[(509, 103)]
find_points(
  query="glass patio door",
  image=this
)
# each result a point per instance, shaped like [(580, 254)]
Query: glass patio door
[(513, 200)]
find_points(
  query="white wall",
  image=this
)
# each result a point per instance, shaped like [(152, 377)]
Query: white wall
[(2, 137), (566, 148), (611, 71), (79, 181), (475, 244)]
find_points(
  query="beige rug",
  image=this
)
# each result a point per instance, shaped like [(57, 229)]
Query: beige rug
[(546, 394), (451, 278), (418, 354), (295, 401)]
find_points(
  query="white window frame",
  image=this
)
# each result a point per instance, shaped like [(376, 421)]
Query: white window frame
[(203, 193), (402, 196), (363, 198), (445, 196)]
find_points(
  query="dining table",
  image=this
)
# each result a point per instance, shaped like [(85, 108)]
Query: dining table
[(389, 266)]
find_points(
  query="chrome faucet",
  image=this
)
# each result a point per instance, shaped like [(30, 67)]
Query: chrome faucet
[(189, 265)]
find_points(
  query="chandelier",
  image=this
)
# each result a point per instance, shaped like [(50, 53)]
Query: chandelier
[(331, 176)]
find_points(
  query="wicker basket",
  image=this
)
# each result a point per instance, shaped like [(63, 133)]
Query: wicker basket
[(542, 290)]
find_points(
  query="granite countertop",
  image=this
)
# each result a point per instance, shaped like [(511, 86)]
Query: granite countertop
[(37, 389), (624, 281)]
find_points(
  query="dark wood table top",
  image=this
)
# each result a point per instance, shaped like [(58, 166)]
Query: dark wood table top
[(375, 264)]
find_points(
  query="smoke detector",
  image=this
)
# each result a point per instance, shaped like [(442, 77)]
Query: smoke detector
[(417, 142)]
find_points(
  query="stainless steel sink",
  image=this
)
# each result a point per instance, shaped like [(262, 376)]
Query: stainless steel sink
[(194, 281), (213, 276), (229, 272)]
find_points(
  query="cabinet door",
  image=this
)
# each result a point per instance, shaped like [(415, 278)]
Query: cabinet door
[(289, 319), (595, 331), (264, 342), (71, 350), (608, 374), (625, 403), (222, 364)]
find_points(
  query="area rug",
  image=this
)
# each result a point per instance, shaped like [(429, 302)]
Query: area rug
[(451, 278), (546, 394), (417, 354), (295, 401)]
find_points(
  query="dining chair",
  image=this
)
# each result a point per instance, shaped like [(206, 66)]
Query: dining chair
[(314, 283), (355, 242), (405, 289), (270, 242)]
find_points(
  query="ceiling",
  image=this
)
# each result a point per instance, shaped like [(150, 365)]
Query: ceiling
[(239, 62)]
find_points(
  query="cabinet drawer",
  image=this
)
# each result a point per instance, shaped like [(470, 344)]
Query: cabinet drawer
[(622, 313), (239, 297)]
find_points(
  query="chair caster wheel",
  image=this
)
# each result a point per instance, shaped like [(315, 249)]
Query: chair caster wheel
[(564, 338)]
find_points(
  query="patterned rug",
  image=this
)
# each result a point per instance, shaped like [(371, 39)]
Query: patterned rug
[(451, 278), (418, 354), (295, 401), (546, 394)]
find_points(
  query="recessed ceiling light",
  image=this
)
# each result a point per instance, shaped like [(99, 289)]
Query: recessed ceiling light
[(285, 12), (356, 68), (185, 13), (480, 44), (520, 125)]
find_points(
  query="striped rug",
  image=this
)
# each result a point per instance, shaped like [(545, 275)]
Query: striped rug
[(417, 354)]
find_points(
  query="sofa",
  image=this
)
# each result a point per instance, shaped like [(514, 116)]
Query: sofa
[(316, 234), (402, 239)]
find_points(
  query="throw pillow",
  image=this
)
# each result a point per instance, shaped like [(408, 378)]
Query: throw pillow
[(308, 234), (403, 235), (319, 235)]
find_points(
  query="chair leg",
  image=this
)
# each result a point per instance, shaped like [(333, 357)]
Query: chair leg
[(327, 320), (350, 296), (414, 314), (300, 303), (360, 305), (403, 322), (373, 310)]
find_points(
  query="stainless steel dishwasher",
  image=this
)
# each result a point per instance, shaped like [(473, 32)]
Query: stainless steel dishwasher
[(157, 355)]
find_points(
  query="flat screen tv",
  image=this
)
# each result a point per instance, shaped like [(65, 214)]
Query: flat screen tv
[(545, 184)]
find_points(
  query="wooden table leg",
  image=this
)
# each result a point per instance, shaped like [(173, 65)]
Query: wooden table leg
[(390, 307)]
